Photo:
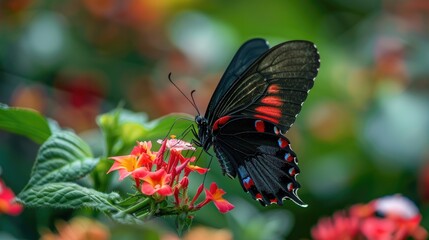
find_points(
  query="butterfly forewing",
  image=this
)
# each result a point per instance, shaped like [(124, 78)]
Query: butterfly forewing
[(245, 56), (274, 87)]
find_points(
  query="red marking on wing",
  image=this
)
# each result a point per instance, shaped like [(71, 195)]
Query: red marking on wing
[(283, 143), (274, 200), (260, 126), (248, 184), (221, 121), (258, 196), (269, 119), (273, 89), (289, 157), (272, 100), (276, 130), (290, 187), (292, 171), (272, 114)]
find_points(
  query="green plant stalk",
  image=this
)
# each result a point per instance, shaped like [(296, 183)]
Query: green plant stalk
[(138, 206)]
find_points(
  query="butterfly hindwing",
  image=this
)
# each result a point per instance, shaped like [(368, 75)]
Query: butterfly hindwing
[(257, 152)]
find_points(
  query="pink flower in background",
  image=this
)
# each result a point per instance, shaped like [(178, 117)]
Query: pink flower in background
[(7, 202), (391, 217), (374, 228), (340, 226)]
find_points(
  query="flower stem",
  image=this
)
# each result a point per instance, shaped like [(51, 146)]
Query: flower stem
[(138, 206)]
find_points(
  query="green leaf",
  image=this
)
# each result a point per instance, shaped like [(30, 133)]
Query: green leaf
[(122, 128), (172, 124), (63, 157), (67, 195), (25, 122)]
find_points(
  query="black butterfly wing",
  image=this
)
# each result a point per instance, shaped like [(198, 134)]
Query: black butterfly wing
[(273, 88), (261, 156), (245, 56), (250, 114)]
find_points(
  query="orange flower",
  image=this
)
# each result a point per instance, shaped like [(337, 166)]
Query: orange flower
[(126, 165), (143, 150), (157, 182), (215, 194), (7, 203), (79, 228), (195, 168), (135, 164), (166, 172)]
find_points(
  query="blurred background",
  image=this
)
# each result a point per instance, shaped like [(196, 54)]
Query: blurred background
[(363, 132)]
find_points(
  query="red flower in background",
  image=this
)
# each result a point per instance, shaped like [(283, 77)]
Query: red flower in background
[(374, 228), (391, 217), (7, 203), (340, 226)]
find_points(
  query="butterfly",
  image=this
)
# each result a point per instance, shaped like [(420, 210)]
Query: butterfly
[(256, 101)]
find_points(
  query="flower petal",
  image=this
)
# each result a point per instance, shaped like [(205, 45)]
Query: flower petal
[(165, 190), (223, 205), (148, 189), (178, 145), (197, 169), (7, 201)]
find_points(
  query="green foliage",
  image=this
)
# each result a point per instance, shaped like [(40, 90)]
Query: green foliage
[(26, 122), (67, 195), (122, 128), (63, 157)]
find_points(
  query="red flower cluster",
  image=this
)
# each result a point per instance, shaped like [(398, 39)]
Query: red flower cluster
[(165, 173), (392, 217), (7, 203)]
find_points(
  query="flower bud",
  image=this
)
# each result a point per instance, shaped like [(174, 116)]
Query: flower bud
[(184, 182)]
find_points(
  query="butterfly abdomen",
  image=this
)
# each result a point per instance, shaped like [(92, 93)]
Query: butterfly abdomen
[(227, 166)]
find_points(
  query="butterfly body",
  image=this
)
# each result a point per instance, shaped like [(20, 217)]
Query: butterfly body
[(255, 103)]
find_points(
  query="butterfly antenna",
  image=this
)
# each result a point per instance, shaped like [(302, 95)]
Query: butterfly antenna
[(193, 100), (187, 98)]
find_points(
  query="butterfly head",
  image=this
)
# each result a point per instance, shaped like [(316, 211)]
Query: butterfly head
[(204, 136)]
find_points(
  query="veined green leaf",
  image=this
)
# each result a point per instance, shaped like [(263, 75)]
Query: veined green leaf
[(67, 195), (63, 157)]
